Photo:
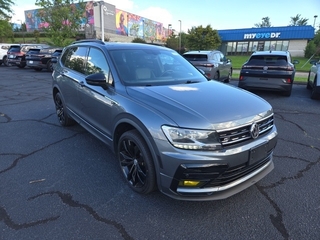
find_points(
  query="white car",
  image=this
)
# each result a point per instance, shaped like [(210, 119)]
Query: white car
[(313, 82), (3, 52)]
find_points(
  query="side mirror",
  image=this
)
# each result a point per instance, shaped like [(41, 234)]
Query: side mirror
[(313, 62), (97, 79), (54, 60), (295, 62)]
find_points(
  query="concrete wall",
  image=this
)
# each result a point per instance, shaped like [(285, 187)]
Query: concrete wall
[(297, 47)]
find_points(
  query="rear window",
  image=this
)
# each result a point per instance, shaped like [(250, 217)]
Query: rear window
[(14, 49), (276, 60), (196, 57)]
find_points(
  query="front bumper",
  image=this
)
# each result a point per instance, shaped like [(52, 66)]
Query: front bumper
[(220, 174)]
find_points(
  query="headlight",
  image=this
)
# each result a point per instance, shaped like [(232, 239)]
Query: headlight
[(192, 139)]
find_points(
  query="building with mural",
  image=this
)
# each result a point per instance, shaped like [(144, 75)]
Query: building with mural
[(118, 25)]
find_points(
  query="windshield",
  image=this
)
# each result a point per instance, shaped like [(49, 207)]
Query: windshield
[(154, 67)]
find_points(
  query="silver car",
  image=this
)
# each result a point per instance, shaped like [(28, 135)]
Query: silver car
[(213, 63), (313, 81), (170, 128)]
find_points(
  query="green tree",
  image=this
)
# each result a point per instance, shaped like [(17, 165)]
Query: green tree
[(313, 46), (200, 38), (265, 23), (5, 30), (63, 18), (298, 21), (5, 9), (173, 41), (138, 40)]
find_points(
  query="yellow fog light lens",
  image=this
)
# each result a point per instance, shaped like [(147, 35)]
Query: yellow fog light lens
[(189, 183)]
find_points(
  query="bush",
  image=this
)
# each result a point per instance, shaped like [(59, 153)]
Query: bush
[(310, 49), (138, 40)]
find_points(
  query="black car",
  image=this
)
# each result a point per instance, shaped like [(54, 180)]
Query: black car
[(16, 54), (268, 70), (39, 59)]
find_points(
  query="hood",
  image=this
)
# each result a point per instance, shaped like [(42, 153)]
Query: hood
[(204, 105)]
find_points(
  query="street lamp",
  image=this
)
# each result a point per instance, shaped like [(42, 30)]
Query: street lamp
[(180, 38), (101, 17), (22, 30), (314, 22), (143, 29), (169, 25)]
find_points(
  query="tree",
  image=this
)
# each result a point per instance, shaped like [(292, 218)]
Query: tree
[(5, 30), (298, 21), (173, 41), (265, 23), (61, 19), (313, 46), (200, 38), (5, 9), (138, 40)]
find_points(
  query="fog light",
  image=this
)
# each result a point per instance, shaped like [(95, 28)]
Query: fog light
[(189, 183)]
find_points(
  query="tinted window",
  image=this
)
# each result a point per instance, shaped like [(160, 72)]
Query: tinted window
[(97, 63), (74, 58), (268, 60), (196, 57), (14, 49)]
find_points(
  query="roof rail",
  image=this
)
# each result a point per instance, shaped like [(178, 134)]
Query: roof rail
[(88, 40)]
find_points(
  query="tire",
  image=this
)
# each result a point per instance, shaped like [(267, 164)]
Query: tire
[(216, 76), (287, 93), (21, 66), (62, 115), (38, 69), (5, 61), (49, 66), (229, 76), (136, 162), (314, 95), (308, 85)]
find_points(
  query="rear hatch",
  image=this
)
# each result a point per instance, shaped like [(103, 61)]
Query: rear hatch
[(200, 61), (34, 54), (275, 66)]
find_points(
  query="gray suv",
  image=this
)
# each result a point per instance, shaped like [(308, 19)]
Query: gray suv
[(214, 64), (170, 128)]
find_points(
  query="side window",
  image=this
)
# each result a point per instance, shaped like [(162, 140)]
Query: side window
[(217, 57), (97, 63), (222, 58), (74, 58)]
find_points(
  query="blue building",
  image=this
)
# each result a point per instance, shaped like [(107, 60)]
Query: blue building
[(247, 40)]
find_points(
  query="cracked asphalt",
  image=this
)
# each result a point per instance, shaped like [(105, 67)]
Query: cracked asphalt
[(62, 183)]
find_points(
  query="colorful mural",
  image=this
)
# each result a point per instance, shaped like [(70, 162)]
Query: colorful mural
[(121, 22), (33, 20)]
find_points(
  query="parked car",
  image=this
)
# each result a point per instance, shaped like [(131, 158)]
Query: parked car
[(313, 81), (17, 53), (3, 52), (39, 59), (170, 127), (268, 70), (214, 64)]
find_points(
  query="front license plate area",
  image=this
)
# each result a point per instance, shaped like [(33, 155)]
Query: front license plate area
[(258, 153)]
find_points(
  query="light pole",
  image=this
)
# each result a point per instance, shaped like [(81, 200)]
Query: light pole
[(180, 38), (102, 20), (314, 22), (22, 30), (143, 29), (169, 25)]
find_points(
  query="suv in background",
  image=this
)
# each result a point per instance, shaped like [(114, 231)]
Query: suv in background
[(16, 54), (214, 64), (268, 70), (41, 58), (3, 52), (170, 127)]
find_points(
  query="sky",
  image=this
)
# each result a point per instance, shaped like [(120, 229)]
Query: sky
[(219, 14)]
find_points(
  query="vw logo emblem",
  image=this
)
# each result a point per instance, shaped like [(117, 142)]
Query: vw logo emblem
[(254, 130), (265, 68)]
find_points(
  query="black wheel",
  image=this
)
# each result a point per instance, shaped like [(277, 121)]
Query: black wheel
[(216, 76), (38, 69), (49, 66), (62, 115), (314, 95), (136, 162), (5, 61), (21, 66), (308, 85), (229, 77)]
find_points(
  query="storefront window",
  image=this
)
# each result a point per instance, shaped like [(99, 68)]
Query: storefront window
[(242, 47), (272, 45), (266, 46), (230, 48), (278, 45), (285, 45)]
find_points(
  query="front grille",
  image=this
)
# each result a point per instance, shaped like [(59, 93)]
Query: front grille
[(242, 133)]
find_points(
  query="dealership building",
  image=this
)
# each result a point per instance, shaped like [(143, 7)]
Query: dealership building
[(245, 41), (101, 18)]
